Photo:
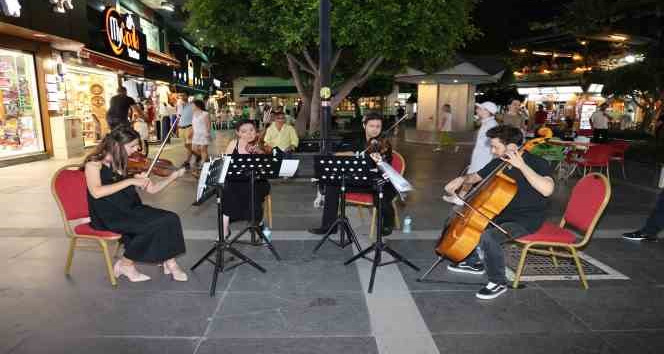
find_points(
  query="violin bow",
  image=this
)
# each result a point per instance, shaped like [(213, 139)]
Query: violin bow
[(163, 143)]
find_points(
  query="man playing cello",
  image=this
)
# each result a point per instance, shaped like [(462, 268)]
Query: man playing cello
[(523, 215)]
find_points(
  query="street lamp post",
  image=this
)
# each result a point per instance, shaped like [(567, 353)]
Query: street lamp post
[(324, 66)]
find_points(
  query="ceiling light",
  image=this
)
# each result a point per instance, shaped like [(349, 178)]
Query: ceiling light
[(165, 5), (618, 37), (523, 50)]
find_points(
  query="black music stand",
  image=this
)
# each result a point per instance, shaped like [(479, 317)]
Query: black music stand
[(342, 171), (252, 167), (222, 245), (379, 246)]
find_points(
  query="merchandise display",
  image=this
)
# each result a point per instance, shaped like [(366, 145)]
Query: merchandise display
[(87, 94), (20, 120)]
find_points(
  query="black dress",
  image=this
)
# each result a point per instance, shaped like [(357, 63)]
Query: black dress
[(236, 203), (149, 234)]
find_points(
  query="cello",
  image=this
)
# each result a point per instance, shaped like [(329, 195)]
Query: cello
[(482, 204)]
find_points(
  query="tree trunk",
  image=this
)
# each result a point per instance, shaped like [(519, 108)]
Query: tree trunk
[(314, 115)]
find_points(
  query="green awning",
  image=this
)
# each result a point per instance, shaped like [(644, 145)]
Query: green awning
[(262, 91)]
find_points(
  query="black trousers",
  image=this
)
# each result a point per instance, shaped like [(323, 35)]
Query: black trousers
[(331, 207), (655, 222)]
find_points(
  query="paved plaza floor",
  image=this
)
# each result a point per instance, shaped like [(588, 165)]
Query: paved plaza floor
[(310, 303)]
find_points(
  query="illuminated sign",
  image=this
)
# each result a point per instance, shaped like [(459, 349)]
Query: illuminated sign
[(11, 8), (123, 36), (190, 72)]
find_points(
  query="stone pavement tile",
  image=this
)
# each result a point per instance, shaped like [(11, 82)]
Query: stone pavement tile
[(90, 313), (260, 315), (523, 343), (301, 277), (617, 308), (524, 311), (625, 249), (420, 250), (642, 342), (304, 345), (15, 246), (89, 273), (129, 345), (12, 231), (296, 250)]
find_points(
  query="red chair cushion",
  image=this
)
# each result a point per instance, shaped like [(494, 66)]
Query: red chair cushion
[(549, 232), (365, 198), (70, 189), (86, 229), (585, 202)]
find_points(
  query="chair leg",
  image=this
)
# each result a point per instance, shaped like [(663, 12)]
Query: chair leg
[(70, 255), (582, 275), (372, 234), (107, 259), (553, 257), (608, 174), (623, 170), (519, 269), (118, 245), (360, 212), (397, 220)]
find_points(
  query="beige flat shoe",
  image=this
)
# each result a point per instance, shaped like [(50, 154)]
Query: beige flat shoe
[(175, 271), (131, 273)]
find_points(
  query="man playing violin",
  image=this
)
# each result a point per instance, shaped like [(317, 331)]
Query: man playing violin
[(378, 149), (523, 215)]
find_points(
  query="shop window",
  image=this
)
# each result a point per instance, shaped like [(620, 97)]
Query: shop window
[(20, 120)]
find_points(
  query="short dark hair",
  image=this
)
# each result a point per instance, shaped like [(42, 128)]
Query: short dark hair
[(372, 116), (122, 90), (200, 104), (506, 134), (242, 122)]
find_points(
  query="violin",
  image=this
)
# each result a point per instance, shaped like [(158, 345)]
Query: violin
[(138, 163), (380, 145)]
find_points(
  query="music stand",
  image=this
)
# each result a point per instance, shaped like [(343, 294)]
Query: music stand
[(254, 166), (379, 246), (214, 179), (342, 171)]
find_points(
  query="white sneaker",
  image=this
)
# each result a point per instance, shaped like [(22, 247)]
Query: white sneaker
[(319, 201)]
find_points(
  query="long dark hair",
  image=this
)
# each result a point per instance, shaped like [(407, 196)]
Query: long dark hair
[(113, 144)]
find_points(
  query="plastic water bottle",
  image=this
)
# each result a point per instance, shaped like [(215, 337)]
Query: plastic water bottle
[(407, 224), (268, 233)]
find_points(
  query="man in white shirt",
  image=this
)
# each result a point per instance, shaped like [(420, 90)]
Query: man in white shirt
[(600, 123), (281, 135), (482, 151)]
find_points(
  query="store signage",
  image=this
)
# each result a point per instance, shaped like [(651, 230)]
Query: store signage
[(62, 6), (10, 8), (190, 72), (123, 37)]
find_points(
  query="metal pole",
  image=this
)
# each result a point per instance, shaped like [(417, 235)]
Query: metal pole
[(324, 65)]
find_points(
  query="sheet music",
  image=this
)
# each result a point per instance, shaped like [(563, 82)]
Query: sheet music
[(224, 169), (201, 180), (288, 168)]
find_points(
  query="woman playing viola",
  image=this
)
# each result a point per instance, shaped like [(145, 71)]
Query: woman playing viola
[(237, 194), (149, 234)]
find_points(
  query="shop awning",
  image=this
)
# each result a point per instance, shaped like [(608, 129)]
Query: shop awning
[(110, 62), (267, 91), (190, 90)]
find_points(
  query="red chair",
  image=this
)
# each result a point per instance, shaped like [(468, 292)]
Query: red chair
[(70, 192), (619, 148), (597, 156), (584, 208), (366, 199)]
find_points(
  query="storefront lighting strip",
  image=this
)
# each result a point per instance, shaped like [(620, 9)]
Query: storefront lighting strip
[(87, 70)]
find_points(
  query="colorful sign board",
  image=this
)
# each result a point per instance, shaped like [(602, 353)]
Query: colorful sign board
[(123, 36)]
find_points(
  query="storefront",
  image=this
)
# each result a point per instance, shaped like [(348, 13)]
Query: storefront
[(21, 131), (30, 34)]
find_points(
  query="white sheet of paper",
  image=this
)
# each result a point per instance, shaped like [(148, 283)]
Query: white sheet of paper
[(201, 180), (288, 168), (224, 169)]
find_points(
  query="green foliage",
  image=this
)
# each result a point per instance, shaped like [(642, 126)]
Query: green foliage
[(428, 30)]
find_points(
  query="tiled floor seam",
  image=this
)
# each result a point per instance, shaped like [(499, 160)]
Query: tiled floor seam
[(413, 335), (214, 314)]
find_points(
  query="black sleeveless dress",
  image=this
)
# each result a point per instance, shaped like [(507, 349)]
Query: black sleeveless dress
[(149, 234), (236, 202)]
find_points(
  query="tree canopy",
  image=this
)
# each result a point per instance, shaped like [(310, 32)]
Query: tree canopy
[(365, 34)]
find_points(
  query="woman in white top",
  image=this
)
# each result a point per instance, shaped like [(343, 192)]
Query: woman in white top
[(200, 124)]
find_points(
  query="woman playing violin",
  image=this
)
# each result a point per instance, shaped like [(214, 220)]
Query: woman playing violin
[(378, 149), (237, 194), (523, 215), (149, 234)]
